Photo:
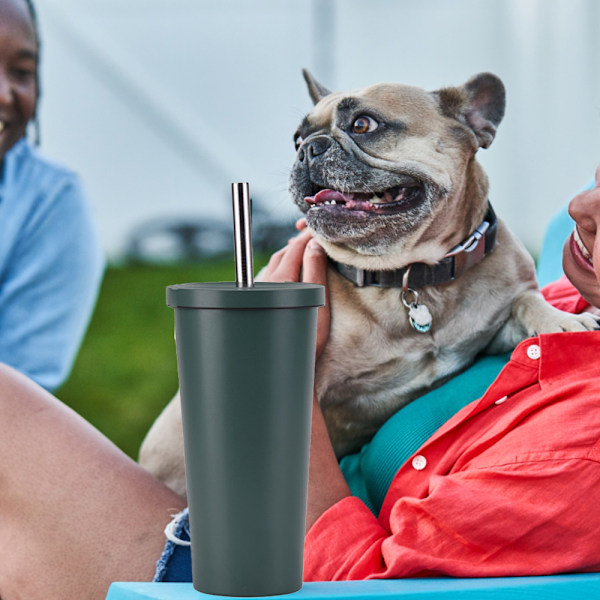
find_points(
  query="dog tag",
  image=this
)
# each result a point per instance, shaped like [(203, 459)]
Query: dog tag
[(420, 317)]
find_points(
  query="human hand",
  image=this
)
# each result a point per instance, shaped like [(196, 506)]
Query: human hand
[(303, 259)]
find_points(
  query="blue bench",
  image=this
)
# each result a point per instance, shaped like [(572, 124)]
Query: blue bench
[(555, 587)]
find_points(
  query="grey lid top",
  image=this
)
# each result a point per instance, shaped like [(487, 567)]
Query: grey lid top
[(226, 294)]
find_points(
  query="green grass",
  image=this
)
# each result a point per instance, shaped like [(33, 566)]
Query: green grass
[(126, 370)]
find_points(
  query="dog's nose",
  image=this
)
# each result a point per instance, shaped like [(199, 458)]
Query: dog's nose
[(314, 148)]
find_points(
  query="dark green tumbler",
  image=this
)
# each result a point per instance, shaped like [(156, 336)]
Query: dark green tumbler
[(246, 358)]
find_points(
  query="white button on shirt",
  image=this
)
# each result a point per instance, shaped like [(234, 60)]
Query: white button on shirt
[(501, 400), (534, 352), (419, 462)]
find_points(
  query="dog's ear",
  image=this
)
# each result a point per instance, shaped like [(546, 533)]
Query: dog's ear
[(315, 89), (479, 104)]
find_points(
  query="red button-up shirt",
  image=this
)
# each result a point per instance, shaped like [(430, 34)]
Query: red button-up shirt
[(509, 486)]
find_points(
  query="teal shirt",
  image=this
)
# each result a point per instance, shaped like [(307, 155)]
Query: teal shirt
[(370, 471)]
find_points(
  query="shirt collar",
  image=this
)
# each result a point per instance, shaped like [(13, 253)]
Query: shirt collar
[(5, 166), (549, 359), (562, 353), (563, 295)]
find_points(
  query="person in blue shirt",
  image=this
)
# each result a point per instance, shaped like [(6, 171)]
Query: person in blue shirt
[(51, 262)]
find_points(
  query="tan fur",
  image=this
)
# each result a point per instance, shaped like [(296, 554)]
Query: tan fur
[(374, 361)]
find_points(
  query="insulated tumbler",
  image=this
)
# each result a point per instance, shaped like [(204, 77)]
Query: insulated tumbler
[(246, 356)]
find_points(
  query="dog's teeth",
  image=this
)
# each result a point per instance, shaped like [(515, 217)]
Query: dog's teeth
[(376, 200)]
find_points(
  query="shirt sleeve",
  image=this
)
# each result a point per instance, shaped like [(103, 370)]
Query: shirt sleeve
[(562, 294), (51, 286), (526, 518)]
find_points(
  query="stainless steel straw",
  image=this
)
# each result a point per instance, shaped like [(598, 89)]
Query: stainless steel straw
[(242, 234)]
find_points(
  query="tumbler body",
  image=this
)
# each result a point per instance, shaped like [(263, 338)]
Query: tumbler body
[(246, 382)]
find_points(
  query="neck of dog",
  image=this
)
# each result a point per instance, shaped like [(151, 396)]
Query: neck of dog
[(462, 257)]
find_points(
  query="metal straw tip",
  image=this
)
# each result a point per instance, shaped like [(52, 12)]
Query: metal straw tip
[(242, 234)]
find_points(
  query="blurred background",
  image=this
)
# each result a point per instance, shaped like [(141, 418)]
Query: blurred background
[(160, 104)]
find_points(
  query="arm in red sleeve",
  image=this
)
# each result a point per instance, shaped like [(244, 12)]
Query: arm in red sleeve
[(509, 486), (525, 518)]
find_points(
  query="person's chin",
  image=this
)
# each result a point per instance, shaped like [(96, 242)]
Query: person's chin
[(7, 142), (582, 276)]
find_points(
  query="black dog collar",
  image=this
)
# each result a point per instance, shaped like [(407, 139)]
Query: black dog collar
[(462, 257)]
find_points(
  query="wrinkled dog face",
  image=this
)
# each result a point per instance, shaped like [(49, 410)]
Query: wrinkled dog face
[(376, 166)]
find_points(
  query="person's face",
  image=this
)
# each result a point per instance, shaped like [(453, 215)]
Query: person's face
[(18, 72), (581, 253)]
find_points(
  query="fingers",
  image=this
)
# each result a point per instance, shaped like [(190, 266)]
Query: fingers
[(303, 259), (314, 264), (301, 224), (314, 270), (286, 264), (292, 262)]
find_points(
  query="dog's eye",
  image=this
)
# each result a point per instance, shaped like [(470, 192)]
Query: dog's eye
[(364, 124), (298, 141)]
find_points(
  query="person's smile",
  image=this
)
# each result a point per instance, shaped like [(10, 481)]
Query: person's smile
[(581, 254)]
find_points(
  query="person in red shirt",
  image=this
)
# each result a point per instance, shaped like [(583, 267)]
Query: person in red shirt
[(508, 486)]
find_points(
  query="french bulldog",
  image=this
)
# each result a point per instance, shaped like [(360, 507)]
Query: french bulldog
[(422, 277)]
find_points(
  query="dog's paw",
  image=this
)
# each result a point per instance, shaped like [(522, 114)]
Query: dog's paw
[(583, 322), (536, 316), (556, 321)]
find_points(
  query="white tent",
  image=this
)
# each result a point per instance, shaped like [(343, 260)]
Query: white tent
[(161, 104)]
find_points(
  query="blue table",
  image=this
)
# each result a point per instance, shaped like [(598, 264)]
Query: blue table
[(555, 587)]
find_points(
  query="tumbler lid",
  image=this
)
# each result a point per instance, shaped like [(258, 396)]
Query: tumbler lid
[(226, 294)]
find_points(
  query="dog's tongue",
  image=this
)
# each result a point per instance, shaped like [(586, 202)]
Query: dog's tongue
[(327, 196)]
